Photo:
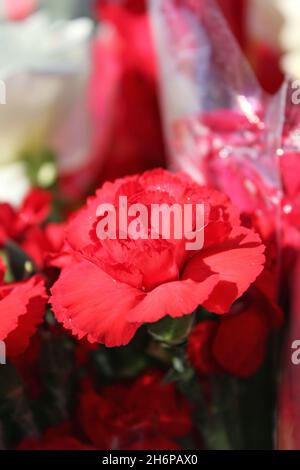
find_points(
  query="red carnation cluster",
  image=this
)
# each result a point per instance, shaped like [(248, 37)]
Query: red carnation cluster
[(22, 302), (116, 335), (143, 414)]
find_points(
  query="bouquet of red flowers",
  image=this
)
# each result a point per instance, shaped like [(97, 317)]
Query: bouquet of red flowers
[(144, 294)]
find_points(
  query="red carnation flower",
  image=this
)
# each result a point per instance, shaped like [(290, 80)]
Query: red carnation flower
[(145, 414), (135, 415), (58, 443), (112, 287), (34, 210), (237, 342), (55, 438), (45, 245), (26, 227), (22, 307)]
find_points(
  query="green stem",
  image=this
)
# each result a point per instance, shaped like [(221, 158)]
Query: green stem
[(208, 416)]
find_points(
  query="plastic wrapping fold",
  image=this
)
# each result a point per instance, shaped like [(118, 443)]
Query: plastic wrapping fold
[(226, 132), (288, 416), (288, 431), (220, 125)]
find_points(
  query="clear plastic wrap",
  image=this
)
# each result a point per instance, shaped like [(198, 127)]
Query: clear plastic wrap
[(220, 125), (225, 131), (288, 416), (288, 435)]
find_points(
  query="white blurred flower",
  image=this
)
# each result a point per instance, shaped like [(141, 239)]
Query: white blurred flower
[(14, 184), (20, 9), (290, 36), (277, 23), (44, 66), (39, 45)]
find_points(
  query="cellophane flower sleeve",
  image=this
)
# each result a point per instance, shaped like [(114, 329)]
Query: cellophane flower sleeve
[(220, 125), (288, 433), (226, 132), (288, 436)]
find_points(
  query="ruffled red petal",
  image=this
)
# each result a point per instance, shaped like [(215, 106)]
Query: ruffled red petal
[(90, 302), (21, 311)]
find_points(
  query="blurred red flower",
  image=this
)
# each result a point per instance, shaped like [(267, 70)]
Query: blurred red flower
[(123, 92), (236, 343), (33, 212), (145, 414), (27, 228), (55, 438), (54, 443)]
